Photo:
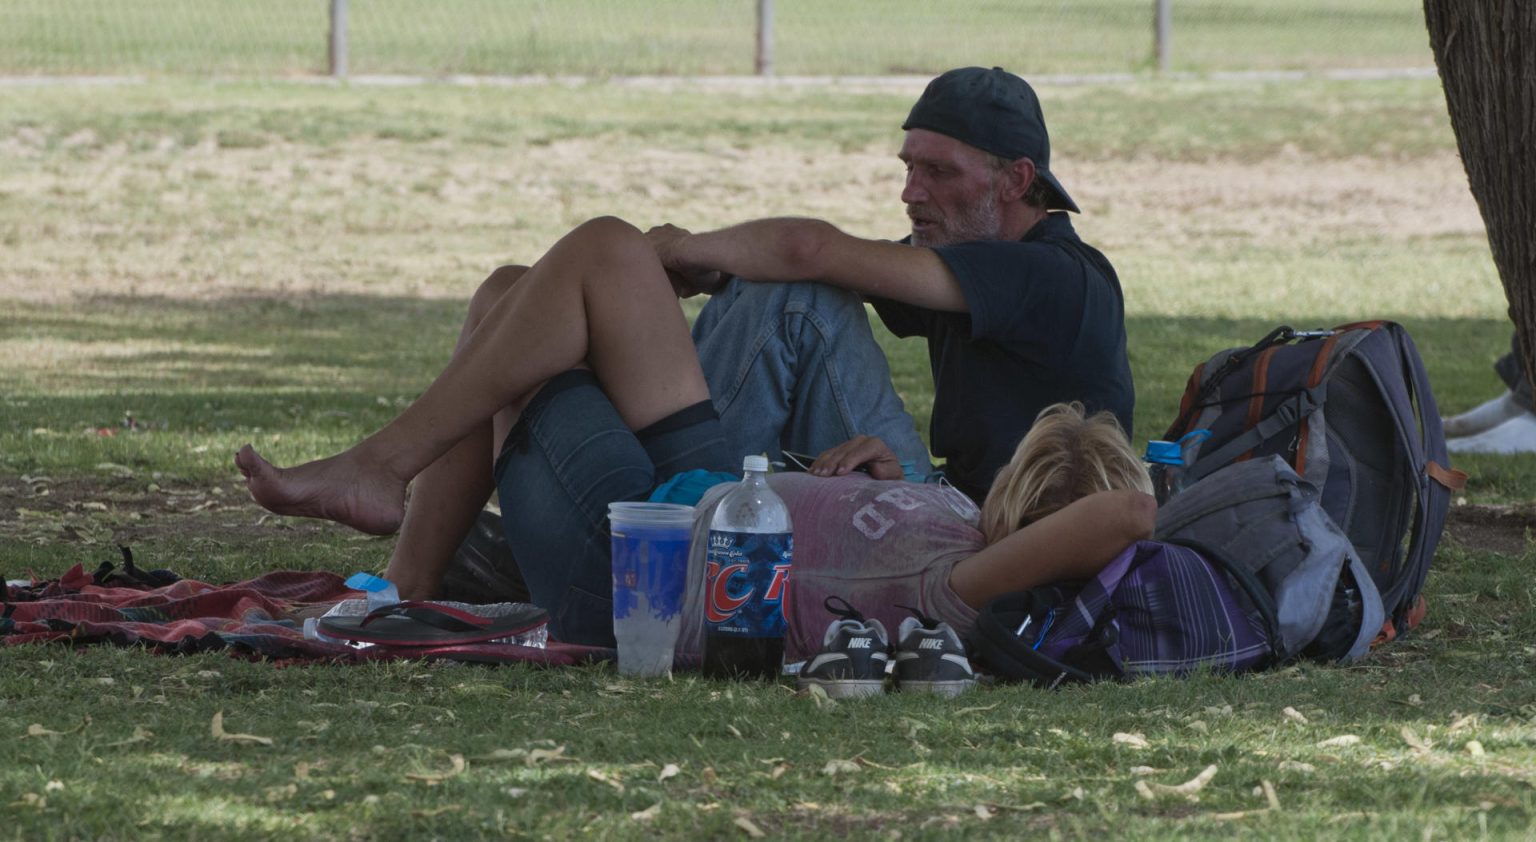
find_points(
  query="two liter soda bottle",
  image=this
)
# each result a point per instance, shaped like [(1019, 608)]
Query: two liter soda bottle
[(751, 547)]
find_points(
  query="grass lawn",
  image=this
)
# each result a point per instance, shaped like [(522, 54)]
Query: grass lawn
[(286, 263)]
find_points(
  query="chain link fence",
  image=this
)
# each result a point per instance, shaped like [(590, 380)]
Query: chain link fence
[(267, 38)]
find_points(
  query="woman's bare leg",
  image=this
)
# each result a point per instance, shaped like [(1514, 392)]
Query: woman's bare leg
[(449, 494), (599, 296)]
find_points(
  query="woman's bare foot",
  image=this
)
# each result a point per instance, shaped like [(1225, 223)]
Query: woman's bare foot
[(340, 488)]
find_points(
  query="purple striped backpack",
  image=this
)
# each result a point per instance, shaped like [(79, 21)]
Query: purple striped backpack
[(1158, 609)]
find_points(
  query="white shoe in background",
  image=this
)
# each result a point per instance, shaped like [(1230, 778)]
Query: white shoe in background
[(1516, 435), (1484, 416)]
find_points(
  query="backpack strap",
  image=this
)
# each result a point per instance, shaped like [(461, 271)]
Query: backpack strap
[(997, 640), (1285, 416), (1203, 391), (1433, 496)]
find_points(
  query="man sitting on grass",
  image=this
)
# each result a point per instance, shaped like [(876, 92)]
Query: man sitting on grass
[(1018, 312)]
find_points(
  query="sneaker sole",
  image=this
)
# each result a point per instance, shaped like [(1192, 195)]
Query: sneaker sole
[(948, 689), (845, 688)]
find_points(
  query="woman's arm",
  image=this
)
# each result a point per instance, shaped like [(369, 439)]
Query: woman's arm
[(1074, 543)]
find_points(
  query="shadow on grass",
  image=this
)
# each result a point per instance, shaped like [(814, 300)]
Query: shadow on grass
[(347, 362)]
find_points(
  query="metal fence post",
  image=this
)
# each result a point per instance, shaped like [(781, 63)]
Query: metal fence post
[(1162, 34), (339, 38), (764, 63)]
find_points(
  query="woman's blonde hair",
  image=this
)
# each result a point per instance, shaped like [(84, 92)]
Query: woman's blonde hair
[(1064, 457)]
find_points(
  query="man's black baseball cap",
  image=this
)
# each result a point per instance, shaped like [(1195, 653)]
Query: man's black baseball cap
[(994, 111)]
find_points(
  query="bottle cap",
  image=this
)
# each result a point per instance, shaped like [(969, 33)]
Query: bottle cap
[(755, 463)]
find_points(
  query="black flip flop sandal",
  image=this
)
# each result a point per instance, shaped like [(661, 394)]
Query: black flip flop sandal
[(415, 623)]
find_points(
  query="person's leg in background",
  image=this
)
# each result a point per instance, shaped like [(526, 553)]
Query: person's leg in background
[(1505, 424)]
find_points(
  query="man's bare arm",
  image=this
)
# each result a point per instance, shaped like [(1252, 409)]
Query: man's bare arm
[(790, 249)]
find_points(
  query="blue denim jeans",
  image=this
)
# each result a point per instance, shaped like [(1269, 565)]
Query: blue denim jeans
[(566, 459), (795, 367)]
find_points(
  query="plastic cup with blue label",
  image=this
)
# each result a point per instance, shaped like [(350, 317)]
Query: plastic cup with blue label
[(650, 574)]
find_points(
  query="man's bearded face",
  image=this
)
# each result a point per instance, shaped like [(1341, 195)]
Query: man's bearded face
[(952, 190)]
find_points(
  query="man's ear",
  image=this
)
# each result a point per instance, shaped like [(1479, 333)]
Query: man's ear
[(1017, 177)]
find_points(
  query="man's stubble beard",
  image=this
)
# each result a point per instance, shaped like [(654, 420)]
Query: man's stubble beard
[(983, 220)]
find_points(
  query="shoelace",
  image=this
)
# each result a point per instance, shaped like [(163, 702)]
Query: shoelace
[(847, 611), (929, 623)]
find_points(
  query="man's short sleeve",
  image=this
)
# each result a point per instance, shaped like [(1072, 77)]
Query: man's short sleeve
[(903, 319), (1036, 294)]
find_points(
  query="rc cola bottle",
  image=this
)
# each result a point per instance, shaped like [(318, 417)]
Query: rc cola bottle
[(751, 546)]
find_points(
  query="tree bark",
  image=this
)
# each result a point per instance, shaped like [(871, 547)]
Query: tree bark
[(1486, 53)]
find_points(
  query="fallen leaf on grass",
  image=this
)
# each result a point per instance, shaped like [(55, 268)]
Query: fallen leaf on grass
[(820, 697), (839, 767), (30, 799), (216, 728), (1297, 766), (1130, 740), (668, 771), (1415, 742), (913, 727), (748, 827), (983, 812), (1141, 771), (1294, 714), (778, 771), (36, 730), (1475, 748), (503, 755), (437, 811), (1270, 796), (1190, 789), (1468, 721), (53, 786), (604, 778), (458, 769), (977, 708), (548, 755), (1339, 741), (140, 735), (648, 813)]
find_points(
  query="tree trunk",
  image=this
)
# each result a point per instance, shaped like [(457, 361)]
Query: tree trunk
[(1486, 53)]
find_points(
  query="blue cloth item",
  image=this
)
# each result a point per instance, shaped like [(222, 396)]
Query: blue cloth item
[(1046, 324), (688, 487), (795, 367), (570, 455)]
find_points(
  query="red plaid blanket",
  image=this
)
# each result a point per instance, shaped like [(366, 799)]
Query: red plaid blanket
[(250, 619)]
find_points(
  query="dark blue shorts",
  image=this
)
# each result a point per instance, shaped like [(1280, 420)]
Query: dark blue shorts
[(566, 459)]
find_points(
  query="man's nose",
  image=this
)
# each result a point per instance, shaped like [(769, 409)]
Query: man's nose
[(914, 192)]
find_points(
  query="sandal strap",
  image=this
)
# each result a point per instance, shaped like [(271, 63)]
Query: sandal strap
[(438, 616)]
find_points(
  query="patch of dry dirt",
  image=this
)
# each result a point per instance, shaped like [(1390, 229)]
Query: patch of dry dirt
[(104, 512), (1506, 530)]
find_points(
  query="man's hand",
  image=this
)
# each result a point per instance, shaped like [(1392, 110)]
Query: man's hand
[(687, 279), (860, 451)]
